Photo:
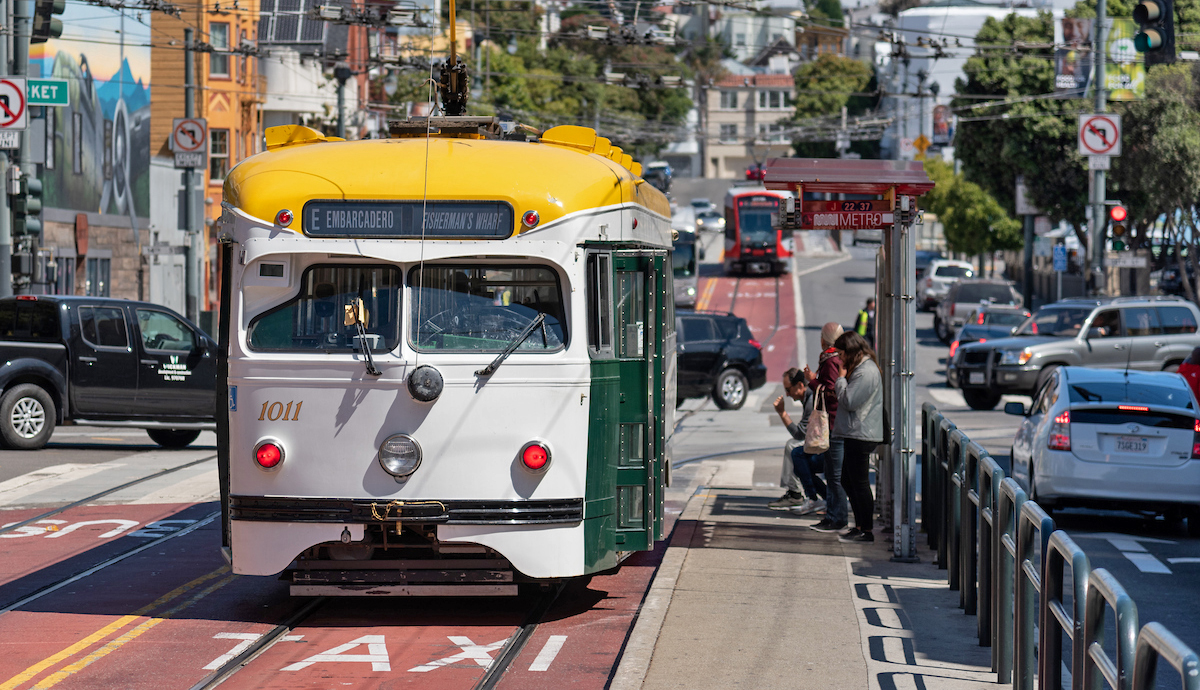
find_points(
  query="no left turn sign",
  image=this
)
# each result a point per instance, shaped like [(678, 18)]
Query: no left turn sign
[(189, 135), (1100, 135), (13, 113)]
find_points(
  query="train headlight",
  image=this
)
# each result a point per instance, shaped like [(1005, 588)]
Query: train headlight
[(268, 454), (535, 455), (400, 455)]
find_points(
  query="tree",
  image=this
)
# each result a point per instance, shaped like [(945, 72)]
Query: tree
[(826, 12), (974, 222), (823, 87)]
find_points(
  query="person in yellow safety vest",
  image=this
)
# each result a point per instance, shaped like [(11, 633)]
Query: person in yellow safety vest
[(864, 325)]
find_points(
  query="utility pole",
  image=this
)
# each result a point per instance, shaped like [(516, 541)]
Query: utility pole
[(195, 248), (342, 73), (1099, 192), (22, 28), (5, 218)]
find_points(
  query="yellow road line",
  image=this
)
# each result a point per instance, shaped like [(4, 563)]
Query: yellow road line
[(67, 671), (78, 646), (109, 629), (709, 288)]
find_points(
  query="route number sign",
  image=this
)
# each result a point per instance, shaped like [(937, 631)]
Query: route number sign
[(189, 141), (13, 111), (1100, 135)]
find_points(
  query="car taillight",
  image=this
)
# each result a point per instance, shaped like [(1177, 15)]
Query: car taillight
[(268, 454), (755, 343), (1133, 408), (1060, 432), (952, 305), (979, 320), (1196, 441), (953, 348), (535, 456)]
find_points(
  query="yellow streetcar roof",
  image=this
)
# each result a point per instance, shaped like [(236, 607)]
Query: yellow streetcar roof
[(570, 169)]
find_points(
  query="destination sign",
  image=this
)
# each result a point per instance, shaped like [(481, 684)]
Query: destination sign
[(403, 219), (876, 205)]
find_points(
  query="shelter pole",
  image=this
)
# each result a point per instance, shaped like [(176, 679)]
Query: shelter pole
[(904, 247)]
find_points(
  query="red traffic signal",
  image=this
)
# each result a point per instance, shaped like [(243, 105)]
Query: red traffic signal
[(1118, 213)]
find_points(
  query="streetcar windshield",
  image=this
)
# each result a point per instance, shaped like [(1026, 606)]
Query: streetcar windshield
[(316, 318), (756, 227), (484, 308), (683, 259)]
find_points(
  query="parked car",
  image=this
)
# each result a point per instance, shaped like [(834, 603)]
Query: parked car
[(937, 279), (987, 322), (1153, 333), (700, 205), (1169, 281), (102, 362), (718, 356), (964, 297), (1100, 438), (924, 258)]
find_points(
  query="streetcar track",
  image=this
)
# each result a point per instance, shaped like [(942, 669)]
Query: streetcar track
[(54, 587), (775, 328), (260, 645), (102, 494), (737, 286), (512, 648)]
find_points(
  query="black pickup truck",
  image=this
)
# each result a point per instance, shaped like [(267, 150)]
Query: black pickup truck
[(102, 362)]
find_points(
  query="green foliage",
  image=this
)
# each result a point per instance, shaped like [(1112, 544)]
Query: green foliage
[(1159, 166), (826, 12), (824, 85), (1034, 138), (973, 220), (1187, 17)]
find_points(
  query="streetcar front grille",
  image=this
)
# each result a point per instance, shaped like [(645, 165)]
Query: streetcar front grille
[(455, 512)]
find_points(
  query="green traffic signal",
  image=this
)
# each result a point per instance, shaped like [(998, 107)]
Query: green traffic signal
[(26, 207), (1156, 31), (45, 25)]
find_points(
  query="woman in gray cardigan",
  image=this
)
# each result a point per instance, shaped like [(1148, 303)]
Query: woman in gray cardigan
[(860, 422)]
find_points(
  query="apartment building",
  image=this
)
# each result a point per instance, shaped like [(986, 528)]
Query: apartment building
[(746, 122)]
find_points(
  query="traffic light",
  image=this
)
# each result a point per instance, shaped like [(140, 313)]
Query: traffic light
[(1120, 233), (26, 207), (45, 25), (1156, 31)]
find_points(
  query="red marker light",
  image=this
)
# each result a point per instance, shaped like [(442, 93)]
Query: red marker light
[(1060, 432), (1133, 408), (535, 456), (268, 454), (284, 218), (531, 219), (635, 223), (27, 298), (1118, 213)]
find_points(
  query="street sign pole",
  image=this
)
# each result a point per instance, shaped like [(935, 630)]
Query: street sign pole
[(192, 264), (5, 219), (1098, 185)]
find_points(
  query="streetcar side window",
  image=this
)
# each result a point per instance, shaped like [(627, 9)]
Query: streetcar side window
[(486, 308), (316, 320), (599, 289)]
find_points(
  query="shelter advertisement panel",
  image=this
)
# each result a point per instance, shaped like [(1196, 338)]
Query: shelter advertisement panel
[(97, 149)]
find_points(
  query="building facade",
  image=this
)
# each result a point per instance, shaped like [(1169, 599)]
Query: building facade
[(746, 122)]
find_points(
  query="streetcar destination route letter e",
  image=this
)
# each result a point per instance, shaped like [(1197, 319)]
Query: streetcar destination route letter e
[(402, 219)]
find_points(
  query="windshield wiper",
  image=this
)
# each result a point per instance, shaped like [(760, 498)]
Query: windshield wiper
[(539, 320)]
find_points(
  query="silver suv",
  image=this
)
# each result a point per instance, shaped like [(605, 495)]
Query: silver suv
[(1145, 333), (964, 297)]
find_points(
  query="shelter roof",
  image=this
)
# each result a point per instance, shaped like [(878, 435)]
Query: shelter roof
[(847, 176)]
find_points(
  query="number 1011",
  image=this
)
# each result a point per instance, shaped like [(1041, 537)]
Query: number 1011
[(275, 411)]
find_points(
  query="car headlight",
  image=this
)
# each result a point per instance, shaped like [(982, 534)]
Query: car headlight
[(1018, 357), (400, 455)]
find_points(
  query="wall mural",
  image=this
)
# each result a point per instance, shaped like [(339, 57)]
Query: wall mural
[(97, 149)]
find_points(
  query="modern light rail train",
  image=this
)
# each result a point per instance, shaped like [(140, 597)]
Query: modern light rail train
[(449, 359), (754, 242)]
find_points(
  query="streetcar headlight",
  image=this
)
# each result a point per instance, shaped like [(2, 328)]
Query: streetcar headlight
[(268, 454), (691, 291), (400, 455), (535, 456)]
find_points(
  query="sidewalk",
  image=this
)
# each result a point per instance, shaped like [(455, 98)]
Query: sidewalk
[(748, 597)]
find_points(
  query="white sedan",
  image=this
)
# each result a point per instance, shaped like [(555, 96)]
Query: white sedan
[(1104, 437)]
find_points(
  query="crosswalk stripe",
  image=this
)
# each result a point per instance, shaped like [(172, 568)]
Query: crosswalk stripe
[(203, 486), (48, 478)]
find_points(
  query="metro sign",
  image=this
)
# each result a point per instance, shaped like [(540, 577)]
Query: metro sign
[(846, 215)]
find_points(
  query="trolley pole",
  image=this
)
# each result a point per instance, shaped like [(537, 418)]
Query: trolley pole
[(194, 246), (1099, 192)]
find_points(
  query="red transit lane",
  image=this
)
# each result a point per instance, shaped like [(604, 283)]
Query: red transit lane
[(768, 307)]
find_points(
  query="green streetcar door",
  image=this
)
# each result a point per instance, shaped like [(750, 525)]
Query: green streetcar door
[(639, 311)]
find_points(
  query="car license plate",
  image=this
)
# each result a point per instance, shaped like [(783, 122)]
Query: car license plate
[(1132, 444), (976, 378)]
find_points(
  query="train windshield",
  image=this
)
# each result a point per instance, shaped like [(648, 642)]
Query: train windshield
[(683, 259), (484, 308), (315, 320), (754, 219)]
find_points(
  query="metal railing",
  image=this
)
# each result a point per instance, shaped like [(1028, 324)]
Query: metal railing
[(1010, 565)]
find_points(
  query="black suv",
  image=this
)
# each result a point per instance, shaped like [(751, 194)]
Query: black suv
[(717, 356)]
